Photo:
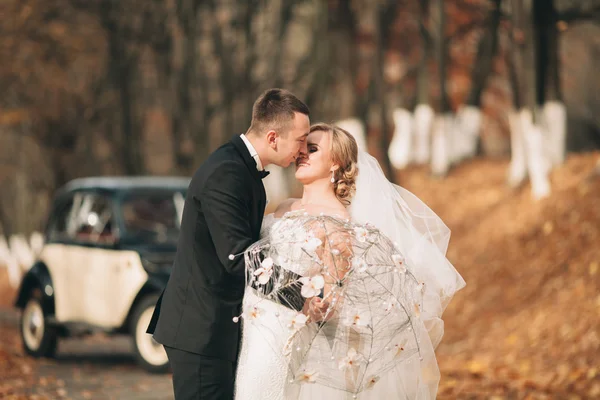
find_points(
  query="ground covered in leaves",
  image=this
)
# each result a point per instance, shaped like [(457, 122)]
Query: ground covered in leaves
[(526, 325)]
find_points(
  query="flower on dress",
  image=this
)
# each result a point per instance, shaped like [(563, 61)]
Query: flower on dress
[(371, 381), (357, 319), (361, 234), (265, 271), (420, 287), (359, 264), (399, 262), (399, 348), (417, 309), (308, 377), (252, 313), (311, 286), (391, 305), (311, 243), (297, 321), (351, 360)]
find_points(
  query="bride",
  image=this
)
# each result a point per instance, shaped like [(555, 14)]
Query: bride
[(346, 288)]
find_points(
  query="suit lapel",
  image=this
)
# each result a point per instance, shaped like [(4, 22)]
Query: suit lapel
[(259, 188)]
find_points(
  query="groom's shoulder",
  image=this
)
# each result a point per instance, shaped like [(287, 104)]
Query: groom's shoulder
[(225, 158)]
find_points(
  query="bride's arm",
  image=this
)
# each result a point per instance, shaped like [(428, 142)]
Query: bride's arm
[(334, 254)]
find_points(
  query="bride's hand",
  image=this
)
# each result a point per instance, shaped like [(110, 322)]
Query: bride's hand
[(316, 309)]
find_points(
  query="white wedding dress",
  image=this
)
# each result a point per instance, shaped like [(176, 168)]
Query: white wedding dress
[(404, 226), (262, 373)]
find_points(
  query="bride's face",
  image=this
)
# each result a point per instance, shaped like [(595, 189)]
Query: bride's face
[(316, 163)]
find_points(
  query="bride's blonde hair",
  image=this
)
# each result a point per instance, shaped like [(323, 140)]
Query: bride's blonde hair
[(344, 153)]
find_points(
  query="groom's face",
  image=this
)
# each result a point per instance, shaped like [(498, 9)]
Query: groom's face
[(292, 144)]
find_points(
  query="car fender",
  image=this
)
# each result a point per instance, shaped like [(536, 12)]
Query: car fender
[(38, 277)]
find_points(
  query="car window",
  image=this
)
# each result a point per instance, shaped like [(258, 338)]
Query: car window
[(91, 219), (152, 216), (57, 228)]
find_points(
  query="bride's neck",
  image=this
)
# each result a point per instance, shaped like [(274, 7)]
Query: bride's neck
[(319, 193)]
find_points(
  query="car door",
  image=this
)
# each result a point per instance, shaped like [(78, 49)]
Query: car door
[(92, 259), (104, 279), (55, 255)]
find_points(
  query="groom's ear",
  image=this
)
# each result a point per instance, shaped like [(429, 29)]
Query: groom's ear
[(272, 137)]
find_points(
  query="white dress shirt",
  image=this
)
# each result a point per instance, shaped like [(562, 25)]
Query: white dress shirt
[(253, 152)]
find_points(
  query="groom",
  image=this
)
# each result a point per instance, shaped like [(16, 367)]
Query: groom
[(222, 216)]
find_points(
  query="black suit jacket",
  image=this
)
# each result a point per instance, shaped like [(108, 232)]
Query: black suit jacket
[(222, 215)]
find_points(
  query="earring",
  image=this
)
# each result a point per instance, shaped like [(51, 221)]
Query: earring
[(332, 177)]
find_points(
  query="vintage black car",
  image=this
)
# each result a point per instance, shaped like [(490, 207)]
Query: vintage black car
[(110, 244)]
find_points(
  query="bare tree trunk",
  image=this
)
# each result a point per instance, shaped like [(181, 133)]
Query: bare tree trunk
[(526, 76), (469, 116), (423, 112), (121, 67), (553, 109), (443, 125), (386, 15)]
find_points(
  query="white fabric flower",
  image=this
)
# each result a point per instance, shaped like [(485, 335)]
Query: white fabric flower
[(417, 308), (351, 360), (371, 381), (311, 286), (311, 243), (391, 305), (359, 264), (399, 348), (308, 377), (265, 271), (298, 321), (252, 313), (361, 234), (357, 319), (399, 262)]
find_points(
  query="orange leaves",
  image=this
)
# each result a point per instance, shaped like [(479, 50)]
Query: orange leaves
[(526, 325)]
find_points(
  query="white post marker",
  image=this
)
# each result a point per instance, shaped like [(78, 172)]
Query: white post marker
[(440, 158), (423, 122), (518, 157), (538, 164), (400, 151), (356, 128), (555, 124)]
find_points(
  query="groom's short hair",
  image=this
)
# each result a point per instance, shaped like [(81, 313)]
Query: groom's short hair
[(274, 109)]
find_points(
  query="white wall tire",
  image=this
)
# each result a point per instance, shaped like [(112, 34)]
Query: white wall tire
[(38, 337), (150, 354)]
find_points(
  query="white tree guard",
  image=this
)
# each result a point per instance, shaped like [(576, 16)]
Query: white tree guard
[(468, 121), (36, 243), (555, 124), (538, 164), (20, 249), (440, 155), (400, 151), (356, 128), (422, 127), (518, 161), (8, 260)]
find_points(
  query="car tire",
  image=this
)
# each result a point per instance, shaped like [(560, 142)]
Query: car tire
[(39, 338), (149, 354)]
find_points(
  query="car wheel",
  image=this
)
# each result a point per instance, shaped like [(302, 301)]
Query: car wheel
[(149, 353), (38, 337)]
